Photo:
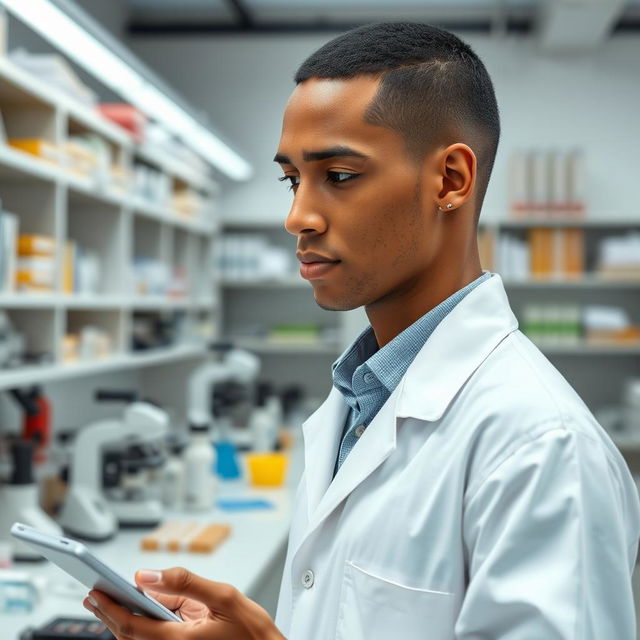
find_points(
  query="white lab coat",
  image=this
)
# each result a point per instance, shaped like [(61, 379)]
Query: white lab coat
[(483, 502)]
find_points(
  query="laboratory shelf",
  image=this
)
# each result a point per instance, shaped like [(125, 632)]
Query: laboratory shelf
[(26, 83), (47, 93), (29, 301), (90, 214), (92, 302), (205, 303), (587, 282), (253, 225), (90, 191), (16, 164), (266, 346), (66, 301), (579, 223), (159, 302), (295, 282), (584, 349), (175, 167), (164, 214), (25, 376)]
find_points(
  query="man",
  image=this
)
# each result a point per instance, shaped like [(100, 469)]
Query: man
[(455, 485)]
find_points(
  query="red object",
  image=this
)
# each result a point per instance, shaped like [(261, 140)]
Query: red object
[(125, 116), (37, 426)]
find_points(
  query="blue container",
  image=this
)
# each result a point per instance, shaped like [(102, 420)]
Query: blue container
[(227, 466)]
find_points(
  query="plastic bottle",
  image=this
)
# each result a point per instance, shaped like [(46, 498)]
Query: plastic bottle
[(199, 460), (174, 477), (262, 431), (262, 424)]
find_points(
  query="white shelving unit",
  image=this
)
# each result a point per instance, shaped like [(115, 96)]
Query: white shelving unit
[(596, 371), (52, 200)]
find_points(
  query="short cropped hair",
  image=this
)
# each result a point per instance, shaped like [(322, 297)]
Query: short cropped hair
[(433, 87)]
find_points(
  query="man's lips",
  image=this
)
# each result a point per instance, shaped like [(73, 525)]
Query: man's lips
[(315, 265), (311, 270)]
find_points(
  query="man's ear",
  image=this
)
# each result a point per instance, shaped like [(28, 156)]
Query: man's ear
[(453, 173)]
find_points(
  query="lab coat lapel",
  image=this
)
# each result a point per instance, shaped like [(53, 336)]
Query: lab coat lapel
[(322, 433), (371, 450)]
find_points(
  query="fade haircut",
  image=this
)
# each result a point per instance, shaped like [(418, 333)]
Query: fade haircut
[(433, 90)]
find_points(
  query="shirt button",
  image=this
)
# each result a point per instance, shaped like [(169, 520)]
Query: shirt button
[(308, 579), (359, 430), (369, 378)]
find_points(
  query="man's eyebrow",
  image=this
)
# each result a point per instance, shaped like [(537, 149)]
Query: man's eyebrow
[(312, 156)]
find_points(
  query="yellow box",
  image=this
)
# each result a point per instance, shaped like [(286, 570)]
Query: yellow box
[(267, 469), (39, 147)]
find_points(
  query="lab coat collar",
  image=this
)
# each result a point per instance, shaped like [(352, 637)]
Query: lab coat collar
[(460, 343), (458, 346)]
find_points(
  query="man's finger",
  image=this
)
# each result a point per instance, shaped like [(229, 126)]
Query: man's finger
[(173, 602), (125, 625), (222, 598)]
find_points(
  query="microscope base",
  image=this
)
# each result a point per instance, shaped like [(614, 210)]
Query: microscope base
[(144, 513)]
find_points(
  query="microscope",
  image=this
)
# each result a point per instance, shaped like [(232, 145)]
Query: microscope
[(232, 366), (90, 512)]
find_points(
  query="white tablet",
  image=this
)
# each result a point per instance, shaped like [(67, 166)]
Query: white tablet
[(74, 558)]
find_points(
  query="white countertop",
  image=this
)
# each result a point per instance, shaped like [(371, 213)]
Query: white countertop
[(243, 559)]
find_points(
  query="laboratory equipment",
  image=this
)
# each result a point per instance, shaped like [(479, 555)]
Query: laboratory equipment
[(87, 513), (36, 423), (199, 458), (173, 478), (71, 629), (262, 424), (233, 365), (19, 500), (213, 388)]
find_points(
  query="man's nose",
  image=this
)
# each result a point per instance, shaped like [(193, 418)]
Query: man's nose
[(304, 216)]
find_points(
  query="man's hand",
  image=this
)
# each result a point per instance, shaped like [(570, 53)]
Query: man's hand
[(210, 610)]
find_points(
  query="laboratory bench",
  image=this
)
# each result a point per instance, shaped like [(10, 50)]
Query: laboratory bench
[(251, 558)]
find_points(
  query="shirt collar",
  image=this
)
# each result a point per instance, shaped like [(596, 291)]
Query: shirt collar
[(391, 362)]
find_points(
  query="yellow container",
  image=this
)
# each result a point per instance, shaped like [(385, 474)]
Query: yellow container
[(267, 469)]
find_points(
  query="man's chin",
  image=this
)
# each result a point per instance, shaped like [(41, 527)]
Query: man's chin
[(330, 303)]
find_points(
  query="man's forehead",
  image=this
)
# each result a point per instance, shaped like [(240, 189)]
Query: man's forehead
[(317, 96), (325, 113)]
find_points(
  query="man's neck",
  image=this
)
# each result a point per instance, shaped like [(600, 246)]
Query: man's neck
[(393, 314)]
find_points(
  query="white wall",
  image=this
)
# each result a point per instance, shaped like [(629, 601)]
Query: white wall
[(243, 82)]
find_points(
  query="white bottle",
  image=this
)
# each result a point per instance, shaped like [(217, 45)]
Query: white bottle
[(274, 406), (199, 460), (174, 479), (263, 430)]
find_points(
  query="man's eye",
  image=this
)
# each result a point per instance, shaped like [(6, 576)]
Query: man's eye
[(336, 177), (295, 181)]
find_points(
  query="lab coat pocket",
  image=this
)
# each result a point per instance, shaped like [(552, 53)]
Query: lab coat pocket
[(373, 608)]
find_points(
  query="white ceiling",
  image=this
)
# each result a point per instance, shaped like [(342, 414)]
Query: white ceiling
[(564, 24), (332, 4)]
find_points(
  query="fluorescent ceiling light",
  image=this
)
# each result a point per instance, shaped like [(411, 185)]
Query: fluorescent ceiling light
[(55, 26)]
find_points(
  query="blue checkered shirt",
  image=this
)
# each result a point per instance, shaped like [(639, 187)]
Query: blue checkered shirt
[(366, 375)]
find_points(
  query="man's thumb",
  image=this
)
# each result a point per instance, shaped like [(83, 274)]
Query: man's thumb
[(216, 595)]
